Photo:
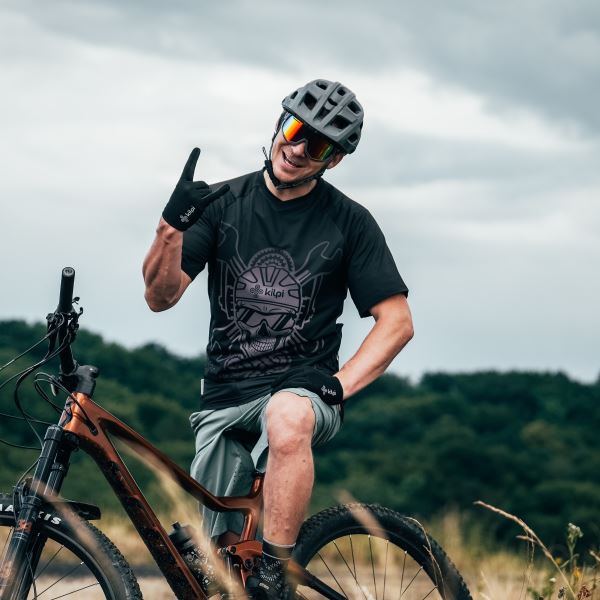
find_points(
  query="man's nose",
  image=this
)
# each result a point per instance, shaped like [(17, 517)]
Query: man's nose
[(299, 149)]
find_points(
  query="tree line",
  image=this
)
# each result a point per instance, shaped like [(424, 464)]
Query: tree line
[(526, 442)]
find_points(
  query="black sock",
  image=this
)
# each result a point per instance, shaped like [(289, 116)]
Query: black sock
[(274, 563)]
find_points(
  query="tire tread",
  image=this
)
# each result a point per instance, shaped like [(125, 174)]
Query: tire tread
[(314, 532)]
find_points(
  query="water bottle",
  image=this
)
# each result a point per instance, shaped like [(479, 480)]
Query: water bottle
[(182, 537)]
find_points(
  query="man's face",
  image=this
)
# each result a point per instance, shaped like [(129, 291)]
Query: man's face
[(290, 162)]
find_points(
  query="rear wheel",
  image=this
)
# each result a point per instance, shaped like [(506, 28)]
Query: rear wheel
[(76, 561), (368, 552)]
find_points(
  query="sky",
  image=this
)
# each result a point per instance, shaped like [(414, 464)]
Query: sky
[(479, 158)]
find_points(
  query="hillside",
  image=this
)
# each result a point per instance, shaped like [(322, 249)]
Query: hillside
[(526, 442)]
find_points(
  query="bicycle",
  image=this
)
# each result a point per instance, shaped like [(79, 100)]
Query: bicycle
[(347, 551)]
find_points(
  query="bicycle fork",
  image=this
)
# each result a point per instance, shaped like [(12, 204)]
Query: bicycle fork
[(24, 547)]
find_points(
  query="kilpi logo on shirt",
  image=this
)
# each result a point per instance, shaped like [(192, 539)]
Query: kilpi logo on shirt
[(273, 292), (267, 291), (328, 391)]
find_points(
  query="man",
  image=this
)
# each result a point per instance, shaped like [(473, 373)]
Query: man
[(283, 248)]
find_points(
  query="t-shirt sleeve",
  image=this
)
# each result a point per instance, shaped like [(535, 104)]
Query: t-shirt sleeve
[(372, 272), (199, 242)]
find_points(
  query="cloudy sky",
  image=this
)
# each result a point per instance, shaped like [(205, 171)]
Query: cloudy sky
[(480, 158)]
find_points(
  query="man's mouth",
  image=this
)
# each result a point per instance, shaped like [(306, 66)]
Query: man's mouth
[(289, 161)]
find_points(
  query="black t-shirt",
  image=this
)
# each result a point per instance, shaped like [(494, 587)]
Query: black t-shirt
[(278, 274)]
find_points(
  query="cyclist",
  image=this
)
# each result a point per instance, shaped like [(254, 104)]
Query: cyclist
[(283, 247)]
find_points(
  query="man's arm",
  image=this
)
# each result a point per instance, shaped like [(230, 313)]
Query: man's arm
[(393, 329), (164, 279)]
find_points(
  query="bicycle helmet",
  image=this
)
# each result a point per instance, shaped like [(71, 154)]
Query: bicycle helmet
[(329, 108)]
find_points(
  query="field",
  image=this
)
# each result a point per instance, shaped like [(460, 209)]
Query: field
[(492, 573), (366, 568)]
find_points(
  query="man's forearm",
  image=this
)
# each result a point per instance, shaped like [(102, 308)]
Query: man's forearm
[(162, 267), (392, 331)]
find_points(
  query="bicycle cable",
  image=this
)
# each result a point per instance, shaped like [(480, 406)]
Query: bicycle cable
[(53, 380), (22, 375), (27, 417), (16, 358)]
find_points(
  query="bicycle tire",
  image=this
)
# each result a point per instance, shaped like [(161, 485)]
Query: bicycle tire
[(72, 543), (339, 537)]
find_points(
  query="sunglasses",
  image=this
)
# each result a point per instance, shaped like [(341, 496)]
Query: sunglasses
[(294, 131)]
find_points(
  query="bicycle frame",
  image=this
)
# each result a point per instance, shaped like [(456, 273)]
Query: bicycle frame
[(80, 413)]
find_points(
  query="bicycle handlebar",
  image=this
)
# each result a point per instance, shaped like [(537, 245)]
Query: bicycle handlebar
[(65, 306), (65, 301)]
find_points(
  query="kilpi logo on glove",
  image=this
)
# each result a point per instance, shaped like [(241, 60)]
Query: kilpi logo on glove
[(185, 218), (328, 391)]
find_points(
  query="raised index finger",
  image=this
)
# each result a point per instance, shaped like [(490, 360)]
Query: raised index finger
[(190, 165)]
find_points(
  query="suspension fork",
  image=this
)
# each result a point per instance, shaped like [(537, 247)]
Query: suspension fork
[(25, 547)]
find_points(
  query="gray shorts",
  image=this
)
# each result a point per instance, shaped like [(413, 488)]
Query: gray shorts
[(224, 462)]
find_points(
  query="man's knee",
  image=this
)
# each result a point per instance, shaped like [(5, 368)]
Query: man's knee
[(290, 421)]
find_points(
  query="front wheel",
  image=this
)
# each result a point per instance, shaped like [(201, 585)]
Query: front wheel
[(76, 561), (368, 552)]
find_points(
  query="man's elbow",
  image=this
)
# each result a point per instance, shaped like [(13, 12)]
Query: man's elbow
[(405, 330), (408, 331), (403, 322), (156, 304)]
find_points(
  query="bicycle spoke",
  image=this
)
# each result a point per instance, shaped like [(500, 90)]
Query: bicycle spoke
[(331, 573), (411, 581), (430, 591), (350, 570), (372, 566), (85, 587), (46, 565), (403, 569), (387, 546), (60, 579), (353, 562)]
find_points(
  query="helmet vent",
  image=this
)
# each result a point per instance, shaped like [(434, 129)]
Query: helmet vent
[(341, 91), (322, 85), (322, 113), (309, 101), (294, 94), (353, 138), (354, 108), (340, 122)]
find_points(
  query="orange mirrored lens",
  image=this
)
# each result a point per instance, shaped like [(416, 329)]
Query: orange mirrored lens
[(318, 147)]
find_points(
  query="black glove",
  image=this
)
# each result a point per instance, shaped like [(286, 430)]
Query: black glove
[(326, 386), (189, 198)]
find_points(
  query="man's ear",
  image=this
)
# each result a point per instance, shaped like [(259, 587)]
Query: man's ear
[(278, 123), (337, 157)]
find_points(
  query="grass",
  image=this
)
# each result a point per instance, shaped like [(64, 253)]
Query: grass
[(492, 573), (570, 578)]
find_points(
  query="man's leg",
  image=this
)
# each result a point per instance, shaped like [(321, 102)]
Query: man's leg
[(290, 470), (289, 420)]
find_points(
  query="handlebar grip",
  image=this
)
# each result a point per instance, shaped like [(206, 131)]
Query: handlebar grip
[(65, 301)]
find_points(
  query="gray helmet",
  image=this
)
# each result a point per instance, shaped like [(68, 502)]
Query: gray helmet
[(331, 109)]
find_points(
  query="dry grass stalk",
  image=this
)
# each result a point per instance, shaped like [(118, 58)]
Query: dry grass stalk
[(531, 538)]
